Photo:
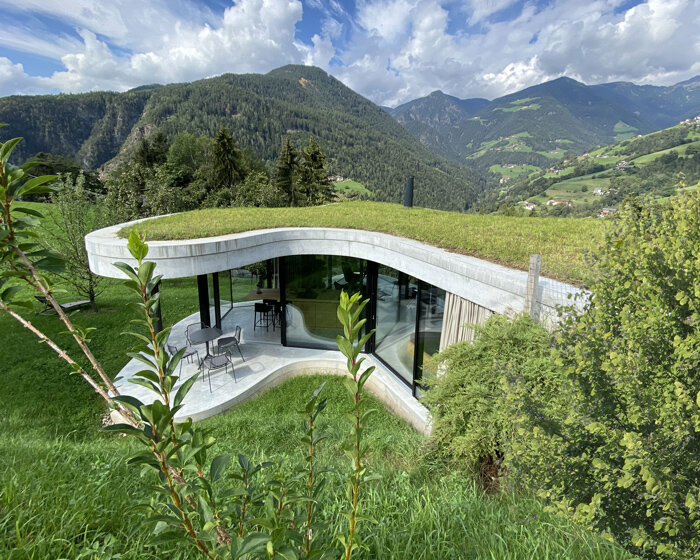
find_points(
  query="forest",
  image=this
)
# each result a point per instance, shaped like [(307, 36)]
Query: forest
[(361, 141)]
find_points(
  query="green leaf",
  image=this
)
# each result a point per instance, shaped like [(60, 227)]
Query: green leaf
[(205, 510), (136, 246), (123, 429), (34, 186), (6, 149), (30, 211), (243, 462), (184, 389), (9, 293), (128, 270), (253, 543), (218, 467), (132, 403)]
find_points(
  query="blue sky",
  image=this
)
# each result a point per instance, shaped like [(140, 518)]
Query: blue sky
[(391, 51)]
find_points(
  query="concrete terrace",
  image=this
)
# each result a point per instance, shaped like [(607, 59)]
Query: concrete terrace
[(267, 363)]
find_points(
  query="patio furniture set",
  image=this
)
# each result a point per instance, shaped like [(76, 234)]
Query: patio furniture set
[(220, 357)]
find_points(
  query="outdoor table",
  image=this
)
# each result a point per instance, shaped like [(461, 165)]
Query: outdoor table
[(264, 293), (205, 336)]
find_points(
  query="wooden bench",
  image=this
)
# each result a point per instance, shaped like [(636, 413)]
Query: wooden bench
[(69, 306)]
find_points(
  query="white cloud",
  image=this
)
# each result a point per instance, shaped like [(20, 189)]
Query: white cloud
[(655, 42), (386, 20), (252, 36), (481, 10), (393, 50), (14, 80)]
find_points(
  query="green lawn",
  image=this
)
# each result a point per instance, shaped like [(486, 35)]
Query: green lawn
[(513, 172), (351, 187), (680, 150), (66, 492), (506, 240)]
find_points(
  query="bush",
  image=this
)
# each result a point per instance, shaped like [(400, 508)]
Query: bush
[(617, 445), (472, 420)]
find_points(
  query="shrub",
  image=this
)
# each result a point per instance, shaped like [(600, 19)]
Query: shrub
[(472, 421), (617, 445)]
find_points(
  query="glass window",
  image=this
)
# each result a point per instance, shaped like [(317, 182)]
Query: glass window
[(313, 286), (432, 310), (396, 321)]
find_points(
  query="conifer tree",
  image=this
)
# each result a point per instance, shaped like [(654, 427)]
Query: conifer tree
[(228, 167), (314, 178), (286, 171)]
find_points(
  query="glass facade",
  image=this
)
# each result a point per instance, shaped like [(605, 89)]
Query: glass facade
[(406, 313), (312, 289), (396, 321), (429, 330)]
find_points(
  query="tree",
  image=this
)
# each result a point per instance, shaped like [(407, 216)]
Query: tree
[(616, 443), (228, 167), (314, 184), (75, 215), (152, 153), (125, 187), (188, 153), (257, 190), (286, 171)]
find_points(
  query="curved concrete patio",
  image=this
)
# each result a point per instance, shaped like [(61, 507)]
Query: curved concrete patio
[(268, 363)]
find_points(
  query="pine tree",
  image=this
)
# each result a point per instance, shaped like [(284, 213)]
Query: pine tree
[(314, 177), (286, 171), (228, 165)]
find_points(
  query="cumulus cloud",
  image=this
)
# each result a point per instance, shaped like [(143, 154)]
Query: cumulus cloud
[(389, 50), (654, 42)]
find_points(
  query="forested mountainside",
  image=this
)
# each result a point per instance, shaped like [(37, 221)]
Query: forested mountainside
[(537, 126), (657, 165), (361, 140), (90, 127)]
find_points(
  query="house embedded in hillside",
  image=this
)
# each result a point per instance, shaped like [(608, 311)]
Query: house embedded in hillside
[(421, 298)]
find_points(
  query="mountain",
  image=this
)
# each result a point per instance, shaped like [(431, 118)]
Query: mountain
[(361, 141), (656, 164), (528, 130), (435, 119)]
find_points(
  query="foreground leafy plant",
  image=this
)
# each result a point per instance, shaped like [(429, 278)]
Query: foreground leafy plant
[(26, 264), (616, 444), (274, 517), (351, 344)]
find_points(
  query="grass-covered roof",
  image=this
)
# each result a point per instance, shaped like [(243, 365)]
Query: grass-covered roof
[(506, 240)]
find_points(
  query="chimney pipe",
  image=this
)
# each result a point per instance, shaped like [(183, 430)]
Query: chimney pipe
[(408, 193)]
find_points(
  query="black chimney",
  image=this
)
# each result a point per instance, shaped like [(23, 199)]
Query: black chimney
[(408, 193)]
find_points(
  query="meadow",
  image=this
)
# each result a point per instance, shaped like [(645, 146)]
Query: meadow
[(66, 492)]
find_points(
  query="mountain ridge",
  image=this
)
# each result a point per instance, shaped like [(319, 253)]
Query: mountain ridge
[(360, 140), (537, 125)]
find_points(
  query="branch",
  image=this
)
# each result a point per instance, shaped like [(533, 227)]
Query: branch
[(66, 358), (66, 321)]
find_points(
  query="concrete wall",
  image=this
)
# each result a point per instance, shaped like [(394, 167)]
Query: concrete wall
[(489, 285)]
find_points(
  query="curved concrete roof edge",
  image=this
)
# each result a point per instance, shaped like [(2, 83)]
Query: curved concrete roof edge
[(487, 284)]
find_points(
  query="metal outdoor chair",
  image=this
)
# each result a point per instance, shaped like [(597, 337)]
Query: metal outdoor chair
[(217, 361), (227, 342), (189, 352), (189, 329), (263, 316)]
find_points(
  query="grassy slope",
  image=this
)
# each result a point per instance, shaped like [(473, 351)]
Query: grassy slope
[(506, 240), (601, 179), (65, 491)]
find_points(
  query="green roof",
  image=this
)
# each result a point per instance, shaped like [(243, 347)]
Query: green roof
[(505, 240)]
